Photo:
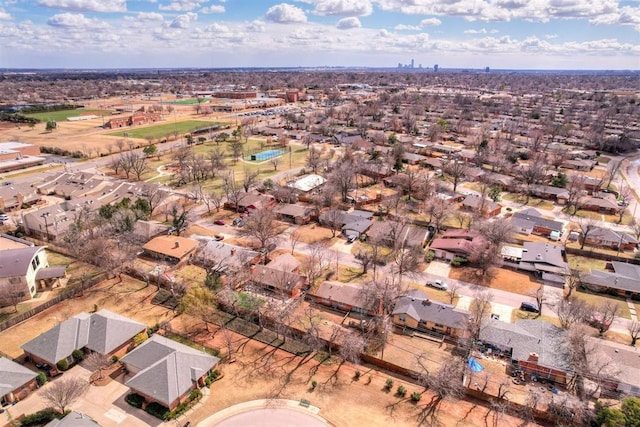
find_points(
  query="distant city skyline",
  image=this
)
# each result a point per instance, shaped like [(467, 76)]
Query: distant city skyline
[(500, 34)]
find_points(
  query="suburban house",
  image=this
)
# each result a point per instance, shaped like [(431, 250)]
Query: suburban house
[(536, 347), (454, 243), (546, 260), (173, 249), (417, 312), (295, 214), (531, 345), (531, 221), (307, 184), (486, 207), (607, 238), (623, 280), (603, 203), (24, 269), (16, 382), (390, 234), (103, 332), (16, 196), (166, 372), (354, 222), (249, 202), (278, 281), (73, 419), (347, 297), (223, 258)]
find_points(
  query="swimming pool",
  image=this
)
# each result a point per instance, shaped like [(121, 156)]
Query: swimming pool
[(268, 154)]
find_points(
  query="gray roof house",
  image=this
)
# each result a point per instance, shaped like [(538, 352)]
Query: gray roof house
[(166, 371), (15, 381), (624, 279), (531, 221), (73, 419), (417, 311), (104, 332), (544, 259)]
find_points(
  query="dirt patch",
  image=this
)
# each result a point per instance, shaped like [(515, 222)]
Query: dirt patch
[(498, 278), (313, 233)]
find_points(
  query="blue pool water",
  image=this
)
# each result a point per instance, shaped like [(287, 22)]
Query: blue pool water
[(266, 155)]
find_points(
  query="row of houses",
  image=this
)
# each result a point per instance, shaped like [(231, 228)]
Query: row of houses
[(159, 369)]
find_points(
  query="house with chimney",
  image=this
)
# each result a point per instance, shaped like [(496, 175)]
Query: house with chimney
[(417, 312), (172, 249)]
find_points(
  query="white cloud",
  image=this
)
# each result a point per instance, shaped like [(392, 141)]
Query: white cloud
[(503, 10), (183, 21), (182, 5), (214, 8), (627, 15), (402, 27), (256, 26), (430, 22), (480, 31), (347, 23), (4, 16), (76, 20), (217, 28), (145, 17), (342, 7), (284, 13), (87, 5)]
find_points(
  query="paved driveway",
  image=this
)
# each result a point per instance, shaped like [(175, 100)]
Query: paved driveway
[(105, 404)]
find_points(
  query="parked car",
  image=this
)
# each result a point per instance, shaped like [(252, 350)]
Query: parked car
[(4, 217), (351, 238), (218, 237), (531, 308), (219, 222), (438, 284)]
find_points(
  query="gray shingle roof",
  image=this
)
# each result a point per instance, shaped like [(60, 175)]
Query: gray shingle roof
[(73, 419), (13, 376), (15, 262), (167, 369), (422, 309), (102, 332)]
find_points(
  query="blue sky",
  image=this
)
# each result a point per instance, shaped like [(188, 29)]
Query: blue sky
[(518, 34)]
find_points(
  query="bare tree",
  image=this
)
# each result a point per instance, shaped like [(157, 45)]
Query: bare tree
[(572, 282), (294, 238), (587, 225), (11, 294), (479, 310), (250, 179), (604, 315), (540, 299), (261, 225), (445, 383), (571, 311), (95, 361), (63, 392), (455, 169), (351, 347), (634, 331), (314, 159), (315, 262), (452, 291)]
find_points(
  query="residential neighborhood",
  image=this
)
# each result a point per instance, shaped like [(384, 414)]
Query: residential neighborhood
[(480, 237)]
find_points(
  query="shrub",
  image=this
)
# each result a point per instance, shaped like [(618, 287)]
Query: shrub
[(356, 376), (402, 391), (314, 384), (78, 355), (114, 359), (62, 365), (213, 375), (195, 394), (135, 400), (415, 396), (40, 418), (430, 256), (389, 384), (41, 378), (158, 411), (457, 261)]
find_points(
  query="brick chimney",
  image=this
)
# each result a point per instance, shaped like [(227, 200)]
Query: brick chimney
[(533, 357), (177, 245)]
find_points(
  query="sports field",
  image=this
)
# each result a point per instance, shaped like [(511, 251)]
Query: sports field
[(190, 101), (60, 116), (160, 131)]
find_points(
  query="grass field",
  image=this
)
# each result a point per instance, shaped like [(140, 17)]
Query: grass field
[(60, 116), (190, 101), (160, 131)]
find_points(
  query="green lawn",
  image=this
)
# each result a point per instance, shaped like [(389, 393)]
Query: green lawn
[(160, 131), (60, 116), (190, 101)]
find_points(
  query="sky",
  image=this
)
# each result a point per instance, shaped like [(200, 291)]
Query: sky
[(473, 34)]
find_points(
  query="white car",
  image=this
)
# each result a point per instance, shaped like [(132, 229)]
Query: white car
[(438, 284), (4, 217)]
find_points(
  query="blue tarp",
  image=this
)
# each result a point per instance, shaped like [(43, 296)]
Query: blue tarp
[(474, 365)]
